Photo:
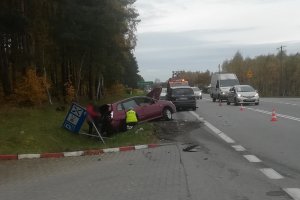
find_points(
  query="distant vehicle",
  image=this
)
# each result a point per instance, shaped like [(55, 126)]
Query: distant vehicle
[(244, 94), (220, 85), (182, 97), (197, 92), (147, 108), (163, 94)]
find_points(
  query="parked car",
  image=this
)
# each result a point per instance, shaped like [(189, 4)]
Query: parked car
[(182, 97), (147, 108), (244, 94), (163, 94), (197, 92)]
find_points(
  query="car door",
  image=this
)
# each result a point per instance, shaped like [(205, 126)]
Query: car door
[(148, 108)]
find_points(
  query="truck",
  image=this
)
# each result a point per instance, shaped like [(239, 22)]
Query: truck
[(220, 85)]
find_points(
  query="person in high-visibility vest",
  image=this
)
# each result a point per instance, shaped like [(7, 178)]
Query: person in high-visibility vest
[(131, 118)]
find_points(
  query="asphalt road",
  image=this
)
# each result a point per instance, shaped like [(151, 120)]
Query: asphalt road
[(203, 161), (278, 143)]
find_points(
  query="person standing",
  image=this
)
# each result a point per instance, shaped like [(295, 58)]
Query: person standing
[(131, 118), (93, 117)]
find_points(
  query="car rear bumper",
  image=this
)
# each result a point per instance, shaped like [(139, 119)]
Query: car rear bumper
[(185, 104)]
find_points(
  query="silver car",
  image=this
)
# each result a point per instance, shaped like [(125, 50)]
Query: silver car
[(197, 92), (243, 94)]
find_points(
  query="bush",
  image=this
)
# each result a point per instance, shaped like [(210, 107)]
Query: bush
[(70, 92), (116, 90), (32, 89)]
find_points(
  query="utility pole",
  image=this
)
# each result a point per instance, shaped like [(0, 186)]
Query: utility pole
[(282, 82)]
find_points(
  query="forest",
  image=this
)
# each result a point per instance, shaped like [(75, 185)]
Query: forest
[(68, 48), (273, 75)]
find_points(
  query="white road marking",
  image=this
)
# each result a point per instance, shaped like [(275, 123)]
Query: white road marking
[(214, 129), (293, 192), (271, 173), (280, 102), (252, 158), (278, 115), (238, 148), (226, 138)]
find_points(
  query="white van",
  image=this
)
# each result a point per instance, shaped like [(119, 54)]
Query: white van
[(220, 85)]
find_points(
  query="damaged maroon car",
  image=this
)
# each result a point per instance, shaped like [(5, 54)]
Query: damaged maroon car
[(147, 108)]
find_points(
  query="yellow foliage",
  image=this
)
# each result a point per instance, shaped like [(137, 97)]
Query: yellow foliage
[(116, 89), (32, 89), (70, 92)]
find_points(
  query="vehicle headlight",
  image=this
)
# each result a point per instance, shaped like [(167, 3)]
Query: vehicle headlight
[(239, 95), (256, 94)]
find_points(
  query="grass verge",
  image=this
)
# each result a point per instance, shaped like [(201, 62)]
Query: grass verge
[(38, 130)]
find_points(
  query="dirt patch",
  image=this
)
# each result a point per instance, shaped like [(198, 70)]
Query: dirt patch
[(175, 130)]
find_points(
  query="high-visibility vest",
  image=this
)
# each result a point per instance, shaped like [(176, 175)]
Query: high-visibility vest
[(131, 116)]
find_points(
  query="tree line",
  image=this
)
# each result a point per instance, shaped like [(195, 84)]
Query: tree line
[(76, 45), (273, 75)]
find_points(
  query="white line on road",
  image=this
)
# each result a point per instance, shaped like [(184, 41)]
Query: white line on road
[(280, 102), (293, 192), (252, 158), (238, 148), (214, 129), (278, 115), (271, 173), (226, 138)]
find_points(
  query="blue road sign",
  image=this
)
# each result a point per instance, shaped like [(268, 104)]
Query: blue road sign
[(75, 118)]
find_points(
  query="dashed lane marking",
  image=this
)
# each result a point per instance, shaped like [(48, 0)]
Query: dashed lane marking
[(293, 192), (252, 158), (226, 138), (278, 115), (271, 173), (238, 148)]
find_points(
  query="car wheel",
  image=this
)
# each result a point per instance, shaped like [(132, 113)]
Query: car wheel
[(228, 103), (194, 108), (200, 97), (257, 103), (214, 99), (167, 114)]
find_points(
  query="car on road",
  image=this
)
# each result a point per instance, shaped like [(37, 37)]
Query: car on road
[(197, 92), (147, 108), (243, 94), (183, 97)]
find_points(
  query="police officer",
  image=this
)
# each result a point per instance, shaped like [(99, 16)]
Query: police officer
[(131, 118)]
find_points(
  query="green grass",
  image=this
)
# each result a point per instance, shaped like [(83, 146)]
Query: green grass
[(37, 130)]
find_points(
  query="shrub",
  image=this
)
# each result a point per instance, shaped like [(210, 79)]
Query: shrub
[(32, 89), (116, 89)]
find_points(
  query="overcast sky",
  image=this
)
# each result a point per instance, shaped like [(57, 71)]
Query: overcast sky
[(196, 35)]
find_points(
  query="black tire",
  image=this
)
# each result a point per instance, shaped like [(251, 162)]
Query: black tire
[(167, 114), (228, 103), (194, 108), (214, 99), (257, 103)]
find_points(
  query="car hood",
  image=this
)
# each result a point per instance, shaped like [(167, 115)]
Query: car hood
[(247, 93), (155, 93)]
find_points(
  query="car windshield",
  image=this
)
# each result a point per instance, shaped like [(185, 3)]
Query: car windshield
[(183, 91), (229, 82), (245, 88)]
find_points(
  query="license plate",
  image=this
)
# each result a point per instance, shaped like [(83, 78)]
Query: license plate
[(183, 98)]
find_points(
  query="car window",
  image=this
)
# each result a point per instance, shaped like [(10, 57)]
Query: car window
[(143, 101), (120, 107), (245, 89), (229, 82), (183, 91), (130, 103)]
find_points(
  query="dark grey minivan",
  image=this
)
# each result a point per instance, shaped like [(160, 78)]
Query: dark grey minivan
[(182, 97)]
